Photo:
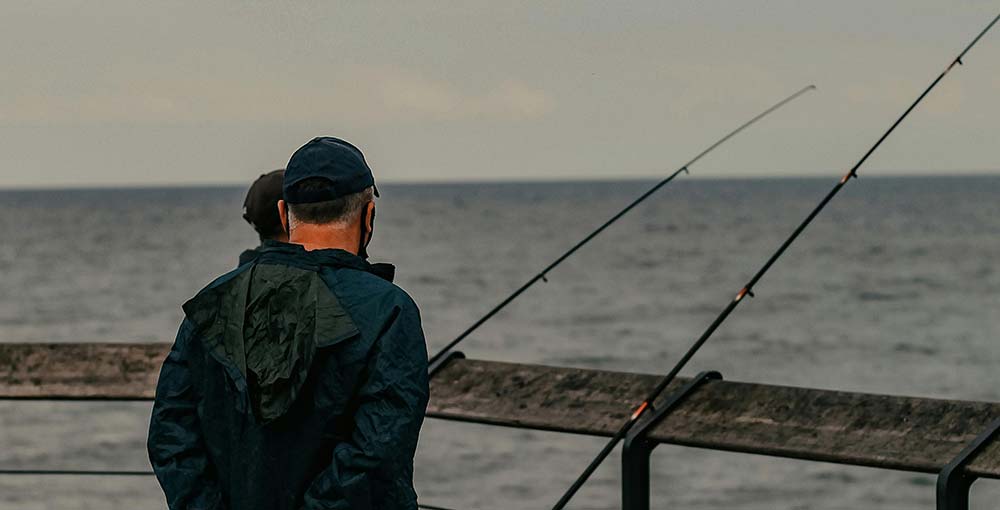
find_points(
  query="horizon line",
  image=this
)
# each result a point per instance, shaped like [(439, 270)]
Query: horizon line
[(513, 180)]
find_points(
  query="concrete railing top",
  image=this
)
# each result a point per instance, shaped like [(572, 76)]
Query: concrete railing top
[(903, 433)]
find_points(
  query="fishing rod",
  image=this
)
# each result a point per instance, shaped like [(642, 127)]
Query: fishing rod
[(747, 289), (541, 276)]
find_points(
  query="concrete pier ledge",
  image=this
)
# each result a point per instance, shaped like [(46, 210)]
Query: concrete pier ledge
[(884, 431)]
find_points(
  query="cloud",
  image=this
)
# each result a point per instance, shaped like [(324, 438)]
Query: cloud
[(366, 95)]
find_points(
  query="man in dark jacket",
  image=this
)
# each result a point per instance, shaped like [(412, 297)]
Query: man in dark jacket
[(260, 210), (297, 381)]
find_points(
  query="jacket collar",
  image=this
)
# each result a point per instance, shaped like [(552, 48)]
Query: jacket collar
[(296, 255)]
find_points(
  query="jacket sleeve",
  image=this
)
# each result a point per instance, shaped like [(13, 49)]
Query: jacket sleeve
[(175, 443), (391, 404)]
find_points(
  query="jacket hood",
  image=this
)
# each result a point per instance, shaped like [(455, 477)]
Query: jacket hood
[(267, 319)]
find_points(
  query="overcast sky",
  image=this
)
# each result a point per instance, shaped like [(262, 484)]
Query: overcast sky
[(178, 93)]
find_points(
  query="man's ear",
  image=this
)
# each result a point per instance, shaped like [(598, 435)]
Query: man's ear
[(283, 216), (370, 217)]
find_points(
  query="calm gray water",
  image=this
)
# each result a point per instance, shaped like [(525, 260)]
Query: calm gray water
[(895, 289)]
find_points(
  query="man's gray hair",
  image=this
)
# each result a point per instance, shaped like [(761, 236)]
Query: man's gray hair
[(341, 210)]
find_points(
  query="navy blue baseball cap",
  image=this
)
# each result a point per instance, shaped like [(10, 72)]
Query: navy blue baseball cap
[(333, 159)]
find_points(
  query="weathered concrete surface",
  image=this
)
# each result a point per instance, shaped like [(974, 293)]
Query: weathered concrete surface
[(80, 371), (912, 434)]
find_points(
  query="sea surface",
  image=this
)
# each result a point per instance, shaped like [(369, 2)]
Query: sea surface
[(895, 288)]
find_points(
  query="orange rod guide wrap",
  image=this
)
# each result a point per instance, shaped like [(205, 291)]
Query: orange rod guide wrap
[(638, 412)]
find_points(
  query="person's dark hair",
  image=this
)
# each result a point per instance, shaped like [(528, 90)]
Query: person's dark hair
[(342, 209), (260, 207), (272, 233)]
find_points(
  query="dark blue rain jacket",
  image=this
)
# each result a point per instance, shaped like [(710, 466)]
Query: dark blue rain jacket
[(298, 381), (250, 254)]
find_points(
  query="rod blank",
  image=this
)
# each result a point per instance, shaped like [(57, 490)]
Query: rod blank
[(542, 275)]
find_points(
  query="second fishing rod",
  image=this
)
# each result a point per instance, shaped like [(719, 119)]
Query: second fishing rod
[(436, 359), (747, 290)]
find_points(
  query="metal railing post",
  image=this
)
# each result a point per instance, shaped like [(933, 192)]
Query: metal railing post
[(635, 473), (954, 483), (637, 450)]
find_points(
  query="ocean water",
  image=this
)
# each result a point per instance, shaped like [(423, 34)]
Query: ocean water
[(895, 288)]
